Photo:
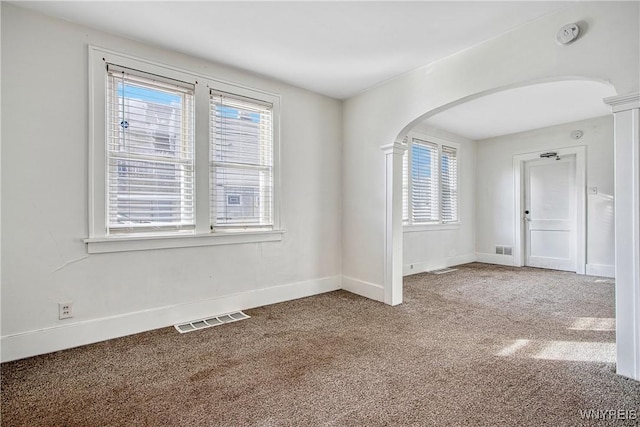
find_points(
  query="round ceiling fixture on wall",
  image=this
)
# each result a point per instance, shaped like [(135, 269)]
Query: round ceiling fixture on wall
[(568, 33)]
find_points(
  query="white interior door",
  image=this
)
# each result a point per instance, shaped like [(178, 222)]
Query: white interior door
[(550, 213)]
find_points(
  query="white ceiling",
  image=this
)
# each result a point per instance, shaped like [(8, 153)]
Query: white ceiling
[(525, 108), (334, 48), (342, 48)]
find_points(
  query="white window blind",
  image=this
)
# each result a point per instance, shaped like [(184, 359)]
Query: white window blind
[(449, 188), (241, 171), (405, 187), (424, 181), (150, 152)]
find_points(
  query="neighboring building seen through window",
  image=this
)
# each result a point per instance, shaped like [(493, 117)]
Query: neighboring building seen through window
[(150, 153), (242, 162), (178, 155)]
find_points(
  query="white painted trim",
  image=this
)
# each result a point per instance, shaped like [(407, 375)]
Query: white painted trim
[(620, 103), (362, 288), (508, 260), (125, 243), (461, 259), (412, 228), (581, 204), (71, 335), (627, 221), (601, 270), (395, 148), (97, 193), (393, 235), (421, 267)]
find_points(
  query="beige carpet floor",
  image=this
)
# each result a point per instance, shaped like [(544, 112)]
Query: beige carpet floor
[(482, 346)]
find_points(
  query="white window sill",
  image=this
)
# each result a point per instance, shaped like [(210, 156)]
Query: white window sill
[(430, 227), (98, 245)]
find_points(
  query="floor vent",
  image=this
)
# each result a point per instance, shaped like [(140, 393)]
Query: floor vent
[(210, 321), (444, 270)]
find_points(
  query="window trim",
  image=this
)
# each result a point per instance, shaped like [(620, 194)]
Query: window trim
[(99, 240), (439, 224), (274, 106)]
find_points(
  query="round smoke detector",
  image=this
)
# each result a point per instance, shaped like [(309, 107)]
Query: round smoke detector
[(576, 134), (568, 33)]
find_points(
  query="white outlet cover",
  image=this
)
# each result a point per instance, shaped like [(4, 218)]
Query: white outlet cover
[(65, 310)]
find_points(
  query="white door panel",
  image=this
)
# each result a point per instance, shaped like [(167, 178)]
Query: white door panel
[(550, 200), (550, 244)]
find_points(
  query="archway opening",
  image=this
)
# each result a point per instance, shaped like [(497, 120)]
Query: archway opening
[(474, 228)]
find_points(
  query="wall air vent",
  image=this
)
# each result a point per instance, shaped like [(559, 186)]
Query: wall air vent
[(504, 250), (211, 321)]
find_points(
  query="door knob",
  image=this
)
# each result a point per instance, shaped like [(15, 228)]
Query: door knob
[(526, 212)]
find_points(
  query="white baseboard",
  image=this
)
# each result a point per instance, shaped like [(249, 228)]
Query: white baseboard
[(461, 259), (602, 270), (62, 337), (362, 288), (421, 267), (495, 259)]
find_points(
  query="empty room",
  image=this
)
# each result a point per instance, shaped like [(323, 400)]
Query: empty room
[(320, 213)]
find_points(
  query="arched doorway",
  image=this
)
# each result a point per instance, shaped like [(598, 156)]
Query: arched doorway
[(628, 295), (524, 94)]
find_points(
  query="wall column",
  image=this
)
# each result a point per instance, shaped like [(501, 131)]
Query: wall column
[(393, 223), (626, 112)]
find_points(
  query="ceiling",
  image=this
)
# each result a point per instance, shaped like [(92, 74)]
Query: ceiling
[(525, 108), (335, 48), (342, 48)]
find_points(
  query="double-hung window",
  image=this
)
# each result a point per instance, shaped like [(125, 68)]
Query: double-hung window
[(430, 182), (150, 152), (241, 169), (178, 159)]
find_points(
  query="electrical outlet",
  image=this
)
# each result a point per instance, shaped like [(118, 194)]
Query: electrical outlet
[(65, 310)]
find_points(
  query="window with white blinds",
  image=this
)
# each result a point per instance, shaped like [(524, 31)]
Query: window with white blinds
[(449, 188), (178, 159), (150, 152), (424, 181), (405, 187), (241, 171), (429, 183)]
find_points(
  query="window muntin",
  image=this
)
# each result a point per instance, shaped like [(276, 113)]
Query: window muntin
[(430, 183), (150, 153)]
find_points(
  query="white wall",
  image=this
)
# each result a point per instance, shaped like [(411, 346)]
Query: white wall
[(495, 188), (44, 204), (449, 245), (609, 51)]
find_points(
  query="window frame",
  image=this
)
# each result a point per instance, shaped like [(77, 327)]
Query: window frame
[(410, 226), (115, 76), (99, 239), (214, 164)]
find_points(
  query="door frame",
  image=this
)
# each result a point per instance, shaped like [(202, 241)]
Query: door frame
[(519, 161)]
